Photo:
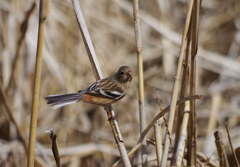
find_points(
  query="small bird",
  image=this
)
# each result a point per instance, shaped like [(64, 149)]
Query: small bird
[(103, 92)]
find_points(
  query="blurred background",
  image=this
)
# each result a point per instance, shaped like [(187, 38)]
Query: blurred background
[(84, 135)]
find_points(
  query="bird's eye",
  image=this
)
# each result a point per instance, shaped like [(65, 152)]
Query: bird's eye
[(122, 73)]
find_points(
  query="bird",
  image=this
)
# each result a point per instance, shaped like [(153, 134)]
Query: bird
[(103, 92)]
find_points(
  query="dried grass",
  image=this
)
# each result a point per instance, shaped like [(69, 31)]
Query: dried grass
[(83, 129)]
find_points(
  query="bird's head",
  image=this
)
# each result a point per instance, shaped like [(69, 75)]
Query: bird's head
[(124, 74)]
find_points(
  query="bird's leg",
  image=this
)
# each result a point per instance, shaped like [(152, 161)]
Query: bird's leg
[(110, 113), (114, 124)]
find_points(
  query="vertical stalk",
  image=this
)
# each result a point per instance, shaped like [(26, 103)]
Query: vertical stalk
[(44, 6), (158, 140), (192, 144), (176, 86), (223, 161), (183, 93), (179, 152), (55, 151), (140, 82)]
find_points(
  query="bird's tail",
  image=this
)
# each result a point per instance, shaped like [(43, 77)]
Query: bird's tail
[(62, 100)]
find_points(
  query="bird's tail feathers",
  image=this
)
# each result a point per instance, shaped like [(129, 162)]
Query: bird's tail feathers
[(62, 100)]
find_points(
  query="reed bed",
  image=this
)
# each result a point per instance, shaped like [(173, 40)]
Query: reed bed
[(210, 67)]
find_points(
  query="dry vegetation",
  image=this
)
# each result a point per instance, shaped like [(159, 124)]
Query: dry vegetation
[(83, 133)]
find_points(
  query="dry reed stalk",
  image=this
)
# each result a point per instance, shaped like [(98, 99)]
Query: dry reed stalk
[(230, 143), (176, 85), (53, 137), (87, 40), (114, 42), (158, 116), (167, 109), (179, 153), (158, 135), (158, 140), (142, 114), (98, 75), (192, 136), (131, 152), (43, 13), (220, 149), (208, 161), (183, 93)]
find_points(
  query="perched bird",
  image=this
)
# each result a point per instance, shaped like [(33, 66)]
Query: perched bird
[(103, 92)]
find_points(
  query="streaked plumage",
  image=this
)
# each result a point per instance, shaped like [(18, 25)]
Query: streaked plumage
[(102, 92)]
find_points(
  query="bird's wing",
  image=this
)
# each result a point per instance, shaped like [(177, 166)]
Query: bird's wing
[(104, 88)]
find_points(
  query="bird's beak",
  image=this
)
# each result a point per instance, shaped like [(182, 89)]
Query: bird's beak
[(129, 73)]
